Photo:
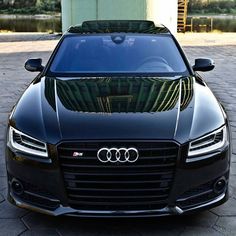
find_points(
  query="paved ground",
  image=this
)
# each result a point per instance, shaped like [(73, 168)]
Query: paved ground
[(15, 49)]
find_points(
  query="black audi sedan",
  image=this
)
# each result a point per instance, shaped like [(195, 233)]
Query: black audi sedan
[(118, 124)]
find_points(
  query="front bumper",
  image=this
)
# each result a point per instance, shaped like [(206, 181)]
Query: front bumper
[(167, 211), (46, 184)]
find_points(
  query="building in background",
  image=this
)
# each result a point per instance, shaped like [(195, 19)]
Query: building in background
[(160, 11)]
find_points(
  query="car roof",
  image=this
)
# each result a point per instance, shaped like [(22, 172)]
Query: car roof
[(118, 26)]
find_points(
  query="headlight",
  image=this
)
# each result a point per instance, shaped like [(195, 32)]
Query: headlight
[(24, 143), (207, 144)]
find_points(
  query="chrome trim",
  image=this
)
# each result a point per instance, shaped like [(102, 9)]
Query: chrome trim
[(40, 196), (114, 155), (194, 196), (219, 198), (177, 210), (61, 210)]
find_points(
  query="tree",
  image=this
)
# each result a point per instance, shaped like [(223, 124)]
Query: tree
[(212, 6), (24, 3), (49, 5)]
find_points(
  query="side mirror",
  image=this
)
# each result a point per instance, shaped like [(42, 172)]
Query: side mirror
[(203, 64), (34, 65)]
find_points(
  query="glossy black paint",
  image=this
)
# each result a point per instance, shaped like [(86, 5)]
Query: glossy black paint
[(204, 64), (117, 107), (50, 111), (34, 65), (186, 177)]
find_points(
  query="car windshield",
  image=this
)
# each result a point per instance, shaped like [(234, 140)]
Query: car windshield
[(118, 53)]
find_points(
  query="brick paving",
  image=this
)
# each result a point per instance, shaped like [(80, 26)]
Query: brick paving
[(15, 49)]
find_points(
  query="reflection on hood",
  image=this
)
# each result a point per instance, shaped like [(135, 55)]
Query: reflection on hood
[(119, 95)]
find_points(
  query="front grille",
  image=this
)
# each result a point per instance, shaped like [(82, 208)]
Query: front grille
[(143, 185)]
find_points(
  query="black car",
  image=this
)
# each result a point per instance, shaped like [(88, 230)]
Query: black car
[(118, 124)]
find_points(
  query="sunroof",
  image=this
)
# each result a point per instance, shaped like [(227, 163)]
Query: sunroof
[(116, 26)]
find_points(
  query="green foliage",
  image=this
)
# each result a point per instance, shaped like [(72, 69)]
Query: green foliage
[(212, 7), (29, 6), (48, 5)]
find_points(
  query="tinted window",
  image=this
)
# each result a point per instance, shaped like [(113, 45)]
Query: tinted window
[(118, 54)]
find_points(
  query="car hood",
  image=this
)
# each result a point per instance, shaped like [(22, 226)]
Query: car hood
[(114, 108)]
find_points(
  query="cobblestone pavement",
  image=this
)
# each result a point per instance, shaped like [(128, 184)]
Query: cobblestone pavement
[(15, 221)]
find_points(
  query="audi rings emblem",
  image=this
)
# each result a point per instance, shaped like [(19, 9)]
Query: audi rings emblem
[(114, 155)]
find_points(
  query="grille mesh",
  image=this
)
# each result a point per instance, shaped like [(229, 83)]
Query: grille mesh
[(143, 185)]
